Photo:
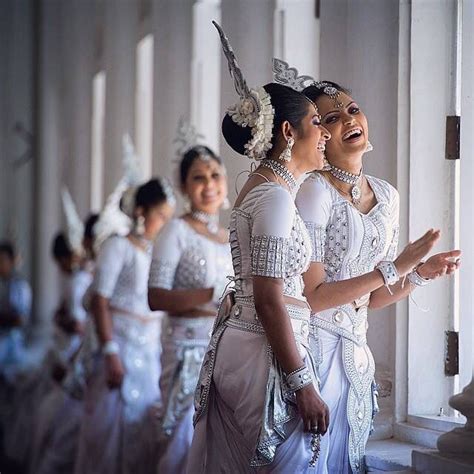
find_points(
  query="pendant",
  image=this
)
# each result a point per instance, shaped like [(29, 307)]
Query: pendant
[(356, 194)]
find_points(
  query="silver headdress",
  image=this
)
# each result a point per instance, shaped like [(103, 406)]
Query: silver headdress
[(74, 224), (187, 137), (112, 221), (116, 217), (254, 109), (288, 76), (167, 190)]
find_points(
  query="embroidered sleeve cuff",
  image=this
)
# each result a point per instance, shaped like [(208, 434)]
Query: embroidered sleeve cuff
[(161, 275), (268, 255), (317, 234)]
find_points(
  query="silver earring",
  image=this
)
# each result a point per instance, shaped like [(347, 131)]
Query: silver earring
[(326, 165), (186, 204), (286, 153), (369, 147), (140, 225), (226, 204)]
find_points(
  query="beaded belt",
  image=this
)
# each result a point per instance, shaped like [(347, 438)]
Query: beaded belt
[(189, 331), (241, 318)]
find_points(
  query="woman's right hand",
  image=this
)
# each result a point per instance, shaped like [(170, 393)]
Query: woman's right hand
[(414, 252), (114, 370), (313, 411)]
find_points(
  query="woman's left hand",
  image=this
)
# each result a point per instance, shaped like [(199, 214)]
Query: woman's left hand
[(444, 263)]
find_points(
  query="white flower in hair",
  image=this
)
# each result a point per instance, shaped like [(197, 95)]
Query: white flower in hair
[(254, 108)]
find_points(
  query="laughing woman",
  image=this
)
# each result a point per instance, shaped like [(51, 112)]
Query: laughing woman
[(191, 261), (258, 409), (352, 219)]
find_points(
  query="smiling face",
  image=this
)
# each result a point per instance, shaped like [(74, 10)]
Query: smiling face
[(206, 185), (310, 141), (347, 125), (156, 217)]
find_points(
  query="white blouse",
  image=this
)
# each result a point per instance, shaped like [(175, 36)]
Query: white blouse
[(185, 259), (121, 275), (268, 238), (348, 242)]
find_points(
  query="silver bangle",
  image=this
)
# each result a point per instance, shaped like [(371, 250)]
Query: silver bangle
[(299, 378), (416, 279), (389, 272), (110, 348)]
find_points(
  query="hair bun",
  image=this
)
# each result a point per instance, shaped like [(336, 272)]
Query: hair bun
[(235, 135)]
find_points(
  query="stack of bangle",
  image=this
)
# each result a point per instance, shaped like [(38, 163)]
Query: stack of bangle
[(389, 273), (110, 347), (416, 279), (299, 378)]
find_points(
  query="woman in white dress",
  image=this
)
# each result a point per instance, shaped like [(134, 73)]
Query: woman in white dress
[(124, 385), (258, 408), (191, 262), (352, 219)]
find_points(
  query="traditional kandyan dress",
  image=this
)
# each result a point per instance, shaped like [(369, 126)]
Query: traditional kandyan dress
[(349, 244), (15, 365), (184, 259), (114, 435), (246, 419), (58, 417)]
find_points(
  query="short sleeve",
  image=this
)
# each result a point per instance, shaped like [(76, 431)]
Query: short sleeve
[(166, 255), (80, 284), (273, 217), (392, 250), (110, 262), (314, 203)]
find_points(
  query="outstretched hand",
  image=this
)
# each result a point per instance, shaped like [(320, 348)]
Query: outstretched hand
[(440, 264)]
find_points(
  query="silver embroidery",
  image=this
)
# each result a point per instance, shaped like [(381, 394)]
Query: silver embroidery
[(161, 275), (317, 234)]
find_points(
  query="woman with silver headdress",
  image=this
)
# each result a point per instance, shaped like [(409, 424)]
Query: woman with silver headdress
[(191, 261), (123, 386), (257, 402), (352, 219)]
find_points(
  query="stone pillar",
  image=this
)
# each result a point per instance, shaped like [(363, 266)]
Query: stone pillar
[(205, 72), (48, 161)]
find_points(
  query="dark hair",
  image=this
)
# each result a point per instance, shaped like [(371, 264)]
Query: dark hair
[(314, 93), (60, 247), (89, 226), (189, 157), (8, 249), (150, 194), (288, 105)]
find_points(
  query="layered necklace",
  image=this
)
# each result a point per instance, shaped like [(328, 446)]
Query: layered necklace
[(210, 220), (355, 180), (281, 171)]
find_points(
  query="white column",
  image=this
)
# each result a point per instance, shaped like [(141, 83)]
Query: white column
[(460, 441), (171, 25), (205, 72), (121, 19), (297, 35), (47, 202)]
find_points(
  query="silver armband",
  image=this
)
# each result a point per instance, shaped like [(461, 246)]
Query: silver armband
[(110, 348), (416, 279), (299, 378), (389, 272)]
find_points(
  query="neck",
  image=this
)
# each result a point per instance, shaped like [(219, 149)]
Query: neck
[(351, 163), (213, 213)]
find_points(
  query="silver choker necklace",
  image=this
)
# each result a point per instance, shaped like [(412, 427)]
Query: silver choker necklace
[(350, 178), (282, 171), (211, 220)]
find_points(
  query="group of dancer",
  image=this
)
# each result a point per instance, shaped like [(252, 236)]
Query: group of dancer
[(182, 347)]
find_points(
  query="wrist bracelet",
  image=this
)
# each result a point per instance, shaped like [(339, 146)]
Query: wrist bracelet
[(299, 378), (416, 279), (389, 273), (110, 348)]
